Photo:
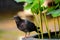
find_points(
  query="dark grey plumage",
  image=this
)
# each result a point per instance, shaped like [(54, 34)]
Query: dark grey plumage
[(25, 25)]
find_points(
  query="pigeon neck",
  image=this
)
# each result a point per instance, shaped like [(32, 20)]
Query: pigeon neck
[(26, 21)]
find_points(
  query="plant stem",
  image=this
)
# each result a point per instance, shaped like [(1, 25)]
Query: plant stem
[(54, 26), (41, 27), (36, 20), (46, 23), (58, 24), (40, 22)]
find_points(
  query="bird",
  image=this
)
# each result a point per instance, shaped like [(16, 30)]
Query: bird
[(25, 26)]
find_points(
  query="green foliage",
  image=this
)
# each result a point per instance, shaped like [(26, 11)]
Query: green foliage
[(51, 9), (30, 5), (28, 1), (57, 1), (20, 1), (34, 5), (55, 13), (41, 2), (34, 9), (27, 6)]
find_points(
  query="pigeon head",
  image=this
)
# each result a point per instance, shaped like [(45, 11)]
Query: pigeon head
[(17, 18)]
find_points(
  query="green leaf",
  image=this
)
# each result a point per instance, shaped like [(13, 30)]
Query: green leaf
[(20, 1), (55, 13), (57, 6), (41, 2), (29, 1), (34, 9), (41, 9), (51, 9), (57, 1), (28, 6)]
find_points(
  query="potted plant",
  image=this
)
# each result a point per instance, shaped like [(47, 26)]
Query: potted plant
[(44, 8)]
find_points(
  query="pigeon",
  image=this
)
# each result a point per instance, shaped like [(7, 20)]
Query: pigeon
[(25, 26)]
